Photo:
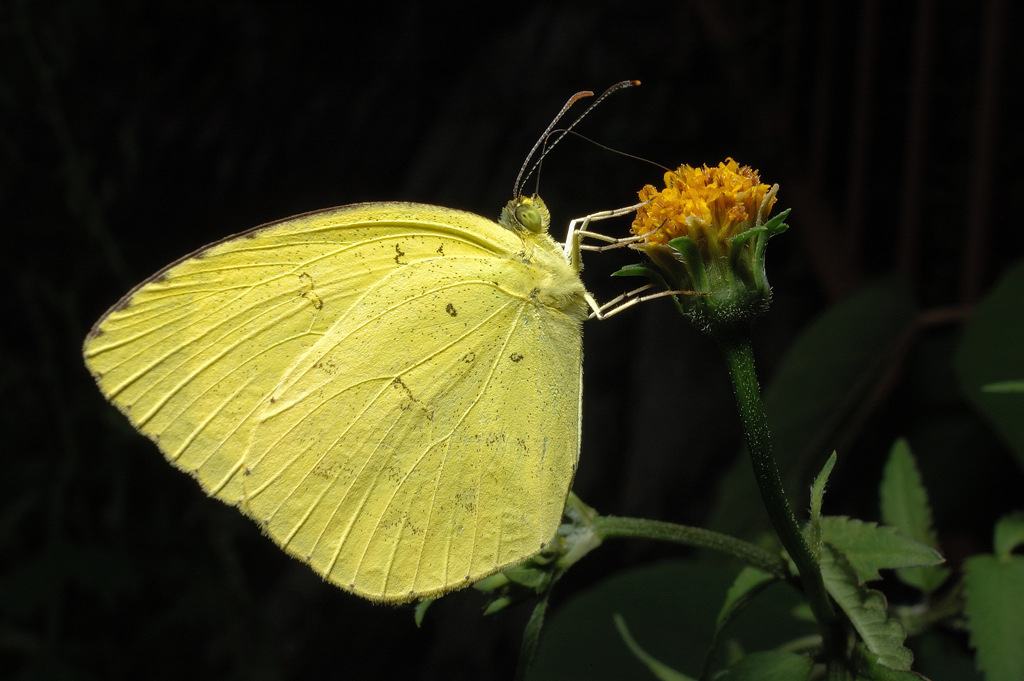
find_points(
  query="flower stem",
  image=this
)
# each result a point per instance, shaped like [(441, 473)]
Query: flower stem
[(607, 527), (735, 344)]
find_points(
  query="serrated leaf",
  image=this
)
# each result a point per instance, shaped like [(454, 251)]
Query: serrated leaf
[(993, 597), (868, 667), (817, 496), (659, 669), (869, 547), (990, 353), (867, 610), (769, 665), (1009, 534), (904, 505)]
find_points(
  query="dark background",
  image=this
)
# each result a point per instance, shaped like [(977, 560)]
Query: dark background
[(134, 132)]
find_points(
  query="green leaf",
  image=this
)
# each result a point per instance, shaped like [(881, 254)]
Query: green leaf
[(867, 610), (817, 496), (816, 398), (421, 611), (904, 505), (660, 670), (671, 608), (1009, 534), (990, 352), (1004, 387), (531, 638), (749, 582), (995, 616), (869, 547), (770, 665), (869, 667)]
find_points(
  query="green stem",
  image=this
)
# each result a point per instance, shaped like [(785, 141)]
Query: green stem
[(608, 527), (739, 356)]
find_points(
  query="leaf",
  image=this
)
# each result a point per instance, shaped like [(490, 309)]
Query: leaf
[(660, 670), (994, 594), (749, 582), (531, 638), (1009, 534), (421, 611), (869, 547), (904, 505), (671, 608), (769, 665), (817, 396), (867, 610), (817, 496), (869, 667), (1004, 387), (990, 353)]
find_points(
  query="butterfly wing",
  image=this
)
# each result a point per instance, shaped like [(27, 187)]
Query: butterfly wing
[(443, 452), (373, 383)]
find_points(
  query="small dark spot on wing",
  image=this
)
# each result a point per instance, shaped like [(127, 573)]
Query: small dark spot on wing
[(516, 357), (450, 309)]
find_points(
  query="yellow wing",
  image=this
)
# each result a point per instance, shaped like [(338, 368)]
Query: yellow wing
[(392, 390)]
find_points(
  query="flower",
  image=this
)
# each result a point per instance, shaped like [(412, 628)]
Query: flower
[(709, 205), (705, 234)]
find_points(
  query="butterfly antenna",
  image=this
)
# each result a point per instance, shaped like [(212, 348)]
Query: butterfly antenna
[(542, 140), (610, 149)]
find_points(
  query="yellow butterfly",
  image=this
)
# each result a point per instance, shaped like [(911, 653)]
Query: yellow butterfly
[(391, 390)]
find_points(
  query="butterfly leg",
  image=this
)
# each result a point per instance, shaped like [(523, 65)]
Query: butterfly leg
[(578, 230), (631, 298)]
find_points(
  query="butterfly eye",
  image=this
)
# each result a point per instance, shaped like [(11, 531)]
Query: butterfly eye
[(530, 217)]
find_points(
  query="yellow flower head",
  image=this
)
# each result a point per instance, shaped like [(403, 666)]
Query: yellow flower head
[(709, 205)]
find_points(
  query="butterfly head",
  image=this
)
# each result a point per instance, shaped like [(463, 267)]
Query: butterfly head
[(526, 213)]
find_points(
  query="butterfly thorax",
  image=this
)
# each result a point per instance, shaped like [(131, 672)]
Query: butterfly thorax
[(554, 282)]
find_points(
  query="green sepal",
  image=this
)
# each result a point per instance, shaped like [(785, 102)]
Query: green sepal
[(777, 224), (690, 257), (638, 270)]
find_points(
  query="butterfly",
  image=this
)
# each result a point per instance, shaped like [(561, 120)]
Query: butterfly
[(391, 390)]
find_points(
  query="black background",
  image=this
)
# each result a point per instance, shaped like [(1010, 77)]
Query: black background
[(134, 132)]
